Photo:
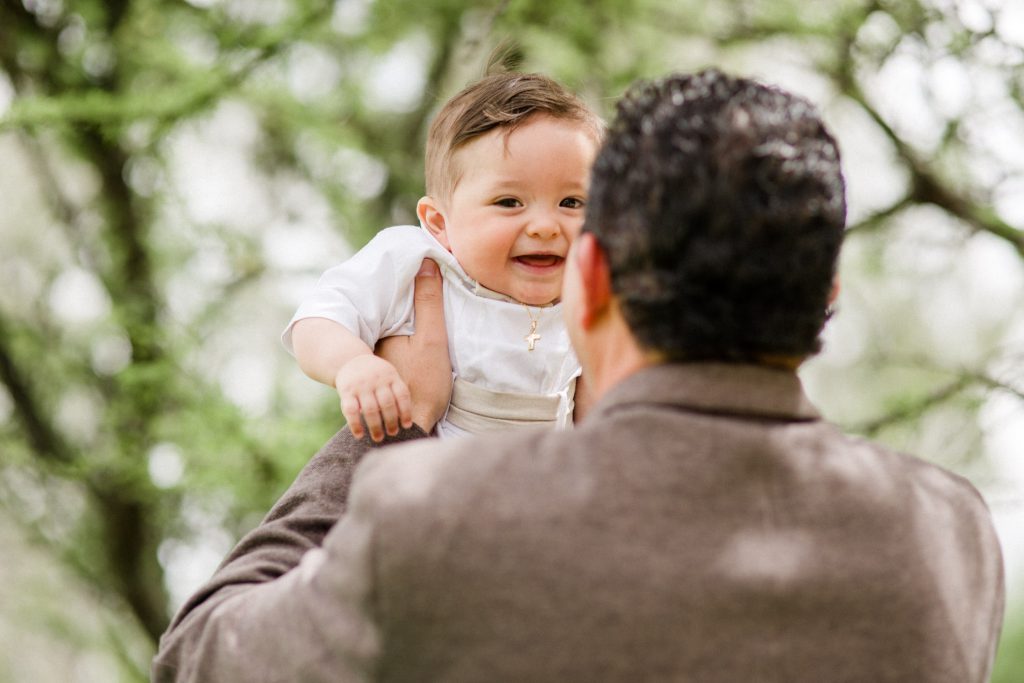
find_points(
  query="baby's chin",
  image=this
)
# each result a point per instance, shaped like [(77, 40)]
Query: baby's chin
[(529, 294), (530, 299), (538, 300)]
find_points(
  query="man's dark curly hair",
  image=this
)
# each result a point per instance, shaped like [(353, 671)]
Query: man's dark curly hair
[(721, 206)]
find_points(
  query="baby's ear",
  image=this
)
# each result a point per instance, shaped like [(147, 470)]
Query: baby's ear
[(433, 220)]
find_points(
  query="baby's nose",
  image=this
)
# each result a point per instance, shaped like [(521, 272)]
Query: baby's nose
[(544, 225)]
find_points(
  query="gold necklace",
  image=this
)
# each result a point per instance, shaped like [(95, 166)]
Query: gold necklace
[(532, 338)]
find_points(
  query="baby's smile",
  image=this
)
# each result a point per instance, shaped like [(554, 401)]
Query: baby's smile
[(540, 261)]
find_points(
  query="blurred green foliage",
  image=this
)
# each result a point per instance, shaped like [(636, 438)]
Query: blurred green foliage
[(165, 162), (1010, 658)]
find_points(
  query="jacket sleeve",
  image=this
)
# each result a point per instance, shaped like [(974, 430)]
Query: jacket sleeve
[(243, 621)]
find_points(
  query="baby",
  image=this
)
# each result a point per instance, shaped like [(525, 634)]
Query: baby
[(507, 166)]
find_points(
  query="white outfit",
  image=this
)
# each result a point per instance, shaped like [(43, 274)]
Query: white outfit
[(499, 382)]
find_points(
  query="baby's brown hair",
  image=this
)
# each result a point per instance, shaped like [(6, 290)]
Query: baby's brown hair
[(501, 100)]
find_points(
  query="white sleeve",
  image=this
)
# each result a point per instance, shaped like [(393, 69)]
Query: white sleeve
[(370, 294)]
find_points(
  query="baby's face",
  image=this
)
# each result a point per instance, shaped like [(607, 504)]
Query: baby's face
[(517, 206)]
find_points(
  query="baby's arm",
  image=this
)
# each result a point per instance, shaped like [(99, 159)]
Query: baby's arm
[(368, 387)]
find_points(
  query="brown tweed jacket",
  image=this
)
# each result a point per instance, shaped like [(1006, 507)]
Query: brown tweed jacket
[(702, 524)]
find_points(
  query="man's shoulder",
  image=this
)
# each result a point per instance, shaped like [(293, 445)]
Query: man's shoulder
[(435, 472), (922, 489)]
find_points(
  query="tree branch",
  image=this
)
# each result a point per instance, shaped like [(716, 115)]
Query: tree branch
[(916, 408), (67, 215), (926, 186), (878, 218), (129, 535), (42, 435)]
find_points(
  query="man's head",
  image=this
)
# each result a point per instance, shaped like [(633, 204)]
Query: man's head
[(508, 162), (719, 206)]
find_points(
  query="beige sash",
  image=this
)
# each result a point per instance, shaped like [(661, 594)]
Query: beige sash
[(479, 410)]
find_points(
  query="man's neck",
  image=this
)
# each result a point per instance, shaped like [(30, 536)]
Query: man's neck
[(611, 355), (782, 362)]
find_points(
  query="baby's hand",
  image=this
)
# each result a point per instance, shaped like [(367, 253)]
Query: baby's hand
[(369, 387)]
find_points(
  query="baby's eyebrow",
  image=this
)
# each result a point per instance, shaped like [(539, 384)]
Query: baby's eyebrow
[(508, 181), (517, 184)]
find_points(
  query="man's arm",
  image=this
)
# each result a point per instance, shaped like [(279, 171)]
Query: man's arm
[(296, 524), (311, 506)]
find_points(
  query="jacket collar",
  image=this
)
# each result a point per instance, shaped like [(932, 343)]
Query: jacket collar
[(717, 388)]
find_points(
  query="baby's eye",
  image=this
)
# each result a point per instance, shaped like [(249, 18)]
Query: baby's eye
[(509, 202), (572, 203)]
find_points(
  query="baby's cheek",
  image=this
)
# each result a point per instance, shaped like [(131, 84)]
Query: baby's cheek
[(574, 228)]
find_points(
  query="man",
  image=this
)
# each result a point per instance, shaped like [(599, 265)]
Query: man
[(703, 523)]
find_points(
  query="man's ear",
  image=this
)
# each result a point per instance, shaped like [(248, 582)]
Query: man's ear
[(833, 293), (429, 212), (595, 279)]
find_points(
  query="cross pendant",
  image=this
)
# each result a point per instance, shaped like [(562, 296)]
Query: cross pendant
[(531, 339)]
